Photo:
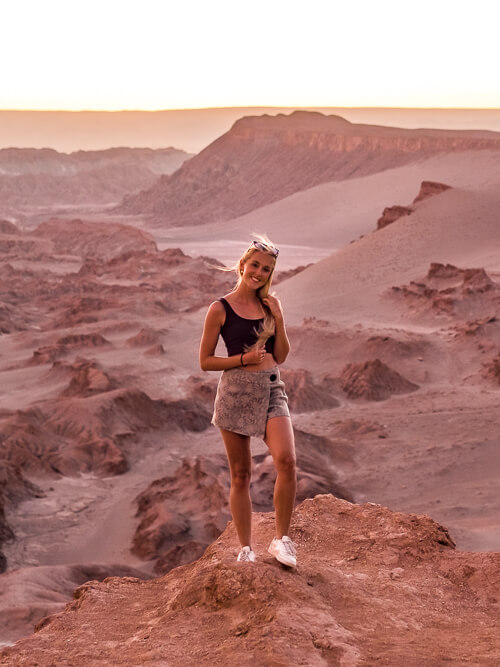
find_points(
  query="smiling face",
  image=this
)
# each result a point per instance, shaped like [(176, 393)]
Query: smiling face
[(257, 269)]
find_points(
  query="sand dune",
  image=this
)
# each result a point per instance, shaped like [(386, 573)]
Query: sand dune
[(309, 225), (264, 159), (459, 226)]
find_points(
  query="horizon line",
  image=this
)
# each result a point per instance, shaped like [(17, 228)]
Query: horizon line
[(256, 106)]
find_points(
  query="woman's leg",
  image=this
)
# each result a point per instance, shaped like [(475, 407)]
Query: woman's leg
[(279, 438), (240, 466)]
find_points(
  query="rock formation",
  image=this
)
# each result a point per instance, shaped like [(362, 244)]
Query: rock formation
[(492, 369), (303, 394), (264, 159), (33, 178), (429, 189), (181, 514), (374, 381), (372, 586), (393, 213), (450, 291)]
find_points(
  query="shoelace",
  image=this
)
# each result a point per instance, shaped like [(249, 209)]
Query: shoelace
[(244, 555)]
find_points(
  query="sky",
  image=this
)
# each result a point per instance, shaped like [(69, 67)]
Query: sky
[(165, 54)]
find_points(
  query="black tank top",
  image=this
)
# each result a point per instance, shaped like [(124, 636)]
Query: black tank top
[(238, 332)]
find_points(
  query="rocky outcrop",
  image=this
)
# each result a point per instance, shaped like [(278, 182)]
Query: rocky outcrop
[(450, 291), (92, 239), (30, 594), (14, 488), (443, 271), (304, 395), (492, 369), (67, 344), (179, 515), (374, 381), (87, 379), (74, 435), (391, 214), (147, 337), (7, 227), (429, 189), (263, 159), (372, 586), (122, 272), (31, 178)]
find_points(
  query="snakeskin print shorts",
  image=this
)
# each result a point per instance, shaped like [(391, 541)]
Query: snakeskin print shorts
[(245, 400)]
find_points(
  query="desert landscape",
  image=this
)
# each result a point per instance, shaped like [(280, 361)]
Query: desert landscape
[(114, 513)]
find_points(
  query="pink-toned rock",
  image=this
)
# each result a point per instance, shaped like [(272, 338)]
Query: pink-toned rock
[(264, 159), (429, 189), (66, 344), (303, 394), (434, 605), (391, 214), (7, 227), (451, 291), (93, 239), (155, 350), (443, 271), (146, 337), (374, 381), (87, 378), (477, 281), (492, 369), (72, 435), (181, 514), (190, 506), (14, 488)]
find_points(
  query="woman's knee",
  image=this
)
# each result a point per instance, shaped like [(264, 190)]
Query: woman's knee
[(240, 478), (286, 463)]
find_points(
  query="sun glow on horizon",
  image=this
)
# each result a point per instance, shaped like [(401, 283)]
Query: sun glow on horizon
[(157, 55)]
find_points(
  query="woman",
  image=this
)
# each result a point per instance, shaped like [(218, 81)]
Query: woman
[(250, 397)]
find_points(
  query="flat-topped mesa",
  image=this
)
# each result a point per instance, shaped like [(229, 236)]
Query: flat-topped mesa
[(263, 159)]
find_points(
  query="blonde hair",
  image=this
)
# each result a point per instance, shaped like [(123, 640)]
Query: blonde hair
[(267, 327)]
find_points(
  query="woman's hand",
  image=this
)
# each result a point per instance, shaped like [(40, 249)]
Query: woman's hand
[(274, 305), (254, 356)]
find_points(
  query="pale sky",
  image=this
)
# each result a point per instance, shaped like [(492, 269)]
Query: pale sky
[(164, 54)]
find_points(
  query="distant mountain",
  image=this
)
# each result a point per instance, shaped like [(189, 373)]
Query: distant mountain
[(266, 158), (194, 129), (31, 178)]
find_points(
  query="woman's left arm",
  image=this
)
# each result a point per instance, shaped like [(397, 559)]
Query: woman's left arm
[(281, 342)]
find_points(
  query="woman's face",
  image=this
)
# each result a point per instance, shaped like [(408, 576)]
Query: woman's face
[(257, 269)]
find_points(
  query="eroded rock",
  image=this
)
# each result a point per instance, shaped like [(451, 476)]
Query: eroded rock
[(352, 560)]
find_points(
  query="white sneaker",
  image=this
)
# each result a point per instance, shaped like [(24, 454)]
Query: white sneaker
[(246, 555), (284, 551)]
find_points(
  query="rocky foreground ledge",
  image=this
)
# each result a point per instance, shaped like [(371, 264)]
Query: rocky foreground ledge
[(373, 587)]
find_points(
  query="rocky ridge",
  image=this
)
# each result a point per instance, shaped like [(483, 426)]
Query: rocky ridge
[(264, 159), (392, 213), (32, 178), (371, 586)]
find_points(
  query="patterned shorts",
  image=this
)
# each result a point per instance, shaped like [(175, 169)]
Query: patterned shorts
[(245, 400)]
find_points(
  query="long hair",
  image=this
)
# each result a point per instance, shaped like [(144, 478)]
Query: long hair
[(267, 327)]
